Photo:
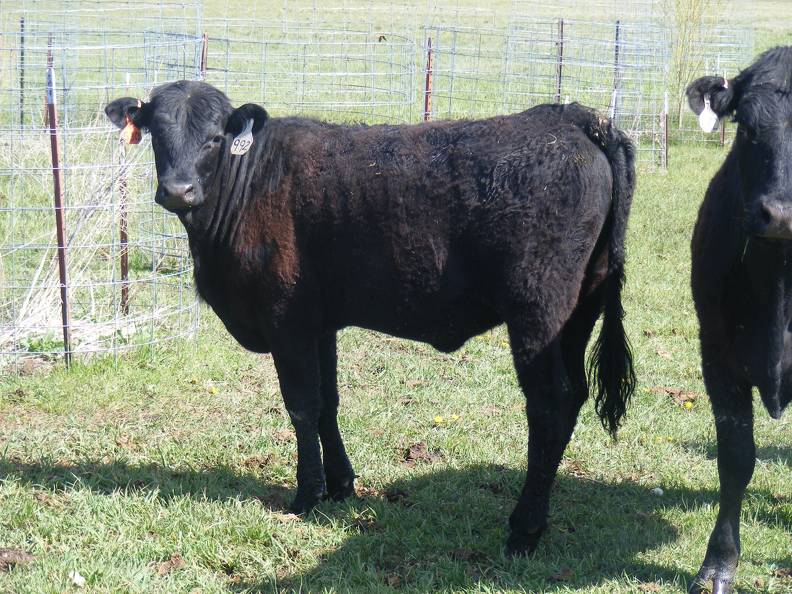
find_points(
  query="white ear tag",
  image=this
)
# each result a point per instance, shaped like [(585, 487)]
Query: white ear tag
[(243, 141), (708, 119)]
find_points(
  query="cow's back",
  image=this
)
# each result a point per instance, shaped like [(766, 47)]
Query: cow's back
[(431, 232), (438, 228)]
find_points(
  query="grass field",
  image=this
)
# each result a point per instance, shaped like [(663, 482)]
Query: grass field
[(170, 470)]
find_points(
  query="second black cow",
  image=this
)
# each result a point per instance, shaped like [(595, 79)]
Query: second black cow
[(434, 232), (742, 281)]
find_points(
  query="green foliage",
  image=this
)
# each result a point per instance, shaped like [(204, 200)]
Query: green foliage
[(44, 343), (693, 21)]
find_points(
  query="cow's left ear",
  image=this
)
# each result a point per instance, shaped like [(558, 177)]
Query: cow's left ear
[(241, 115), (716, 91)]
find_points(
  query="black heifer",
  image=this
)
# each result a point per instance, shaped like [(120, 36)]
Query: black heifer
[(742, 282), (433, 232)]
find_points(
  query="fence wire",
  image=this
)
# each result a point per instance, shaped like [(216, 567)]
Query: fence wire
[(129, 280), (617, 68), (344, 60), (364, 75), (713, 50)]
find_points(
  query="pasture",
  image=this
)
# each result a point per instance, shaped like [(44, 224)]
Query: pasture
[(170, 469)]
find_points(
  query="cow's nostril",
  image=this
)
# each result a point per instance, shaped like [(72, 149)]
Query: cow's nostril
[(189, 194)]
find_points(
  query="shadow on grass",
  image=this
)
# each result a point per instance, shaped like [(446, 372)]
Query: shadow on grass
[(441, 528), (218, 483), (767, 454)]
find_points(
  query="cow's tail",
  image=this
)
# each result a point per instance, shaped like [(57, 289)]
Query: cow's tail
[(610, 364)]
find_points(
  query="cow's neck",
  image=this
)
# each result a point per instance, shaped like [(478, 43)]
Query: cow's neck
[(767, 312), (212, 228), (215, 225)]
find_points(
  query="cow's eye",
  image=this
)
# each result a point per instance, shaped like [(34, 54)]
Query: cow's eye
[(746, 131), (211, 144)]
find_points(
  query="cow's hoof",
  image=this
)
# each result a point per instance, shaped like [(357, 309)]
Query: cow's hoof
[(710, 585), (520, 544), (305, 502), (340, 489)]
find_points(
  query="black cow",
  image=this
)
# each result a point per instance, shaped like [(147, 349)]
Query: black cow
[(434, 232), (742, 281)]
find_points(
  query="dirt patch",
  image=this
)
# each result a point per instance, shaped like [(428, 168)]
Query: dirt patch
[(562, 575), (419, 453), (469, 555), (258, 462), (364, 491), (283, 436), (784, 573), (394, 495), (175, 562), (683, 398), (10, 558)]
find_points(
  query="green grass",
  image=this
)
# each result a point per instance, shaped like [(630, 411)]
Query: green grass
[(110, 469)]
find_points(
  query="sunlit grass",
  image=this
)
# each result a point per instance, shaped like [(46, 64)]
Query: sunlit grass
[(169, 470)]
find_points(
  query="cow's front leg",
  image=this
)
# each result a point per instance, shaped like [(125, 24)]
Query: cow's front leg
[(297, 364), (732, 407), (339, 474)]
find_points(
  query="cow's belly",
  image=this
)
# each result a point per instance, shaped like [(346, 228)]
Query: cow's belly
[(432, 297), (444, 325)]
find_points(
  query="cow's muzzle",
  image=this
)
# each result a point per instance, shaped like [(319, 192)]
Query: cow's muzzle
[(770, 219), (176, 196)]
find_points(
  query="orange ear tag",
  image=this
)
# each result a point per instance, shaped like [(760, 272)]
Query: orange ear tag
[(130, 133)]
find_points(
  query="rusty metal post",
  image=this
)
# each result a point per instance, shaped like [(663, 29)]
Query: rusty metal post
[(665, 131), (428, 82), (204, 54), (123, 235), (21, 72), (723, 132), (57, 179), (615, 109), (560, 59)]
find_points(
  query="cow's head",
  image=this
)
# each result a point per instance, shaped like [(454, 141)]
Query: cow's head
[(760, 99), (192, 125)]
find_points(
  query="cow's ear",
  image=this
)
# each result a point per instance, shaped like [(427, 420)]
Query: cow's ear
[(240, 116), (716, 91), (126, 109)]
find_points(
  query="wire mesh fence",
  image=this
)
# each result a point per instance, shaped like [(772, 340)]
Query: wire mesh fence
[(127, 278), (129, 274), (712, 50), (160, 16), (365, 75), (409, 17), (617, 68), (594, 10)]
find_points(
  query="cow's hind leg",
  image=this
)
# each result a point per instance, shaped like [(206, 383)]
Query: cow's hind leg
[(733, 410), (339, 474), (554, 384)]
